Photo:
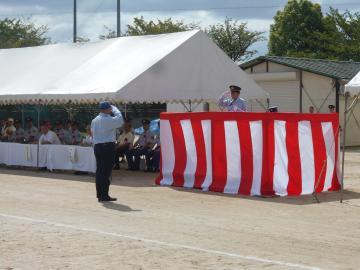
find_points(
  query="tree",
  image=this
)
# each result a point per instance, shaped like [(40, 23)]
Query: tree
[(234, 38), (110, 33), (15, 33), (343, 34), (141, 27), (297, 30)]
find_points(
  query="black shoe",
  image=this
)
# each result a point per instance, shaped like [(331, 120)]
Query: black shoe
[(117, 167), (108, 199)]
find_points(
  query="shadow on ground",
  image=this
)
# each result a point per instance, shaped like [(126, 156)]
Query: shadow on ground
[(141, 179), (324, 197), (118, 207)]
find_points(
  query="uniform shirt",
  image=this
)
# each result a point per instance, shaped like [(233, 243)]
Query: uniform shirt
[(128, 137), (88, 140), (103, 126), (75, 137), (157, 140), (18, 135), (67, 136), (32, 132), (237, 105), (146, 138), (50, 137), (61, 133)]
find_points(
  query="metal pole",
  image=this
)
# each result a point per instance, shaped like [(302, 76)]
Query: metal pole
[(337, 96), (75, 26), (125, 110), (22, 116), (118, 32), (343, 149), (206, 107), (301, 92), (38, 108), (268, 103)]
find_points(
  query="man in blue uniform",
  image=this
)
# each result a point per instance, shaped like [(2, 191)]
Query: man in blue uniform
[(232, 102), (103, 128)]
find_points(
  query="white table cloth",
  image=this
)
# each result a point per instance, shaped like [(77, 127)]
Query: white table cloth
[(61, 157)]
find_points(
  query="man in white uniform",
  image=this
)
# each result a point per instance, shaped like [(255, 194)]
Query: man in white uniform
[(48, 136)]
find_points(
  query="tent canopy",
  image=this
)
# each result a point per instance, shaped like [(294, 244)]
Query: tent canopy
[(166, 68), (353, 87)]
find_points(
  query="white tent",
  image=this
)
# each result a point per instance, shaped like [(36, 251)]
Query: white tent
[(353, 87), (164, 68)]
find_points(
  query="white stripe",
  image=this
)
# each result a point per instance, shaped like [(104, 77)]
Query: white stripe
[(233, 157), (160, 243), (306, 157), (206, 127), (191, 154), (281, 175), (328, 133), (167, 153), (338, 171), (256, 130)]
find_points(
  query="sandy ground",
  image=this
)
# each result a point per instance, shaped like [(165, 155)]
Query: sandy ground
[(53, 221)]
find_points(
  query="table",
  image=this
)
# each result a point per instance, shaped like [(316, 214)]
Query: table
[(54, 157)]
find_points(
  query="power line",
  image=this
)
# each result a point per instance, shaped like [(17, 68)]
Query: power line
[(181, 9)]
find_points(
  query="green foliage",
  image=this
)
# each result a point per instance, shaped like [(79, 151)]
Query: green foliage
[(109, 33), (296, 30), (142, 27), (301, 30), (234, 38), (15, 33), (343, 35)]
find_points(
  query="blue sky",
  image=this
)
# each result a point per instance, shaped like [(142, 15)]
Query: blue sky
[(94, 14)]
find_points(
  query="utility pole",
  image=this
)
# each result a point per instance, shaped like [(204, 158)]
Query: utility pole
[(74, 33), (118, 32)]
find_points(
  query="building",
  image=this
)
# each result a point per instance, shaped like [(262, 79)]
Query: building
[(295, 84)]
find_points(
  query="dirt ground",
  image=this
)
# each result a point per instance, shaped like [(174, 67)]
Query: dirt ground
[(53, 221)]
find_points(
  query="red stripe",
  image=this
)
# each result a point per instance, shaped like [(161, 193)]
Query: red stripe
[(200, 173), (319, 155), (267, 178), (294, 162), (219, 161), (180, 153), (335, 181), (246, 157)]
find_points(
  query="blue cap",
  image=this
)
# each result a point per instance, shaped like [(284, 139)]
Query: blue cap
[(104, 105)]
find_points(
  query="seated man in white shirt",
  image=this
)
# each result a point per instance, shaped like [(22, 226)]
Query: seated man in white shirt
[(8, 131), (124, 142), (48, 136), (88, 140)]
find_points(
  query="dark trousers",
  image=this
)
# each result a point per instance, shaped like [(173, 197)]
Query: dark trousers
[(120, 151), (105, 156), (153, 160), (133, 157)]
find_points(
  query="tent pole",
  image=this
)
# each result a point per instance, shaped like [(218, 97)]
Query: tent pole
[(38, 108), (343, 148), (125, 110), (206, 107), (22, 116)]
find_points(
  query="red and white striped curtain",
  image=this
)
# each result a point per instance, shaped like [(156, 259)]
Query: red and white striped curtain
[(250, 153)]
